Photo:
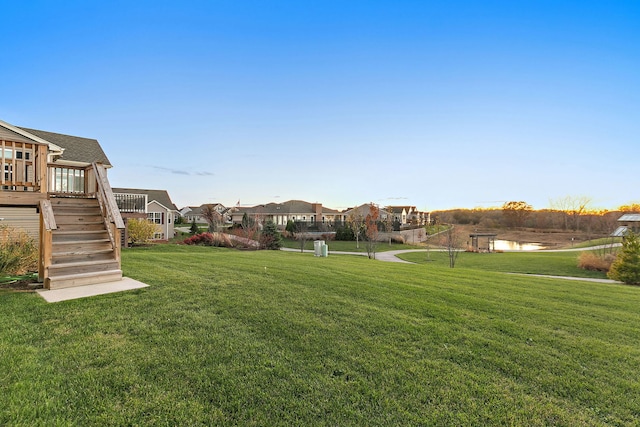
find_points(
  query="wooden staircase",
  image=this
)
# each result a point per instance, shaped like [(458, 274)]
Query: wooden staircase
[(82, 250)]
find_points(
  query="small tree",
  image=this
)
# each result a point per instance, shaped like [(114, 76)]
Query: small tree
[(141, 230), (388, 224), (212, 217), (301, 234), (516, 213), (626, 267), (247, 222), (193, 230), (452, 243), (371, 230), (270, 237), (356, 222)]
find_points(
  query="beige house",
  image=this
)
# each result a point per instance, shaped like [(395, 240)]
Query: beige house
[(155, 205), (409, 215), (194, 213), (314, 214)]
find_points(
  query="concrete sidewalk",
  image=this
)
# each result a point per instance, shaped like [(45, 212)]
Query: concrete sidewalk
[(57, 295)]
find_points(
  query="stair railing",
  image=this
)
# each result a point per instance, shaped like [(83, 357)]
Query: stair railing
[(47, 225), (108, 206)]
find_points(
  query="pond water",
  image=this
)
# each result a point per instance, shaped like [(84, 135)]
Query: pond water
[(510, 245)]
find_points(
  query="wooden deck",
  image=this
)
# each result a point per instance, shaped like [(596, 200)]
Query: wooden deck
[(79, 230)]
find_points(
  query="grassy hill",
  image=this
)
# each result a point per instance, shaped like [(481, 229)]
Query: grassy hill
[(271, 338)]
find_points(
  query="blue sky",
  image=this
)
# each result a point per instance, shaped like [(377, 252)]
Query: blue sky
[(425, 103)]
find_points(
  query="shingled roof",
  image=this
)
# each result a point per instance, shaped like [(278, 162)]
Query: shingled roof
[(76, 149), (160, 196), (286, 208)]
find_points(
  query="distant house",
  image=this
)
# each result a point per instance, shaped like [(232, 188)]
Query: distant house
[(409, 215), (154, 205), (627, 222), (194, 213), (364, 210), (314, 214)]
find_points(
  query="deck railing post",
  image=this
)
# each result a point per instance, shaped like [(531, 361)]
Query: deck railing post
[(47, 224)]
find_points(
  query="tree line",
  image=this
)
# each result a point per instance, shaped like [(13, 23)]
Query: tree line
[(565, 214)]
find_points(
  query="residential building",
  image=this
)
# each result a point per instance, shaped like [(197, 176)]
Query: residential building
[(194, 213), (155, 205), (409, 215), (55, 187), (314, 214)]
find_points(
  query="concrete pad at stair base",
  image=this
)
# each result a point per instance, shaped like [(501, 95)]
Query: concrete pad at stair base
[(57, 295)]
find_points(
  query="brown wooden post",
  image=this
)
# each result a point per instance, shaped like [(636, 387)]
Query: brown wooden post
[(41, 172), (41, 250), (47, 249), (89, 180), (47, 223), (116, 246)]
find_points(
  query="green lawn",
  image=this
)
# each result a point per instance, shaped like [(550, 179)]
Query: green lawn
[(552, 263), (224, 337), (596, 242), (347, 246)]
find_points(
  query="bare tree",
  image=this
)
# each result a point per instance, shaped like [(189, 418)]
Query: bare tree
[(249, 231), (573, 208), (452, 242), (388, 224), (301, 233), (371, 230), (355, 220), (213, 217)]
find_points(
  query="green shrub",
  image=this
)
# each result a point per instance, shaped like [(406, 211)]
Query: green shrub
[(270, 237), (626, 267), (141, 230), (194, 229), (18, 252), (345, 234)]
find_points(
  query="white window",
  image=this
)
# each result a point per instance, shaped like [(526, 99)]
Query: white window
[(155, 217)]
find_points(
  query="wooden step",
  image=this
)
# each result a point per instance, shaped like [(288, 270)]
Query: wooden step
[(84, 254), (78, 219), (60, 282), (73, 201), (79, 245), (81, 252), (82, 227), (75, 232), (77, 236), (77, 210), (82, 267)]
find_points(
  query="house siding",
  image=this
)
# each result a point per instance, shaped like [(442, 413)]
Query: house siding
[(26, 219), (167, 219)]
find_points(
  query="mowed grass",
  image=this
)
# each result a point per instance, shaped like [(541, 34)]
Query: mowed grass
[(347, 246), (533, 262), (223, 337)]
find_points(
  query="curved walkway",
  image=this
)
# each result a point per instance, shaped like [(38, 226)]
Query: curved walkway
[(391, 256)]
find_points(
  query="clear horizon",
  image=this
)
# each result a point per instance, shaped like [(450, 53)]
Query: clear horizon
[(464, 104)]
